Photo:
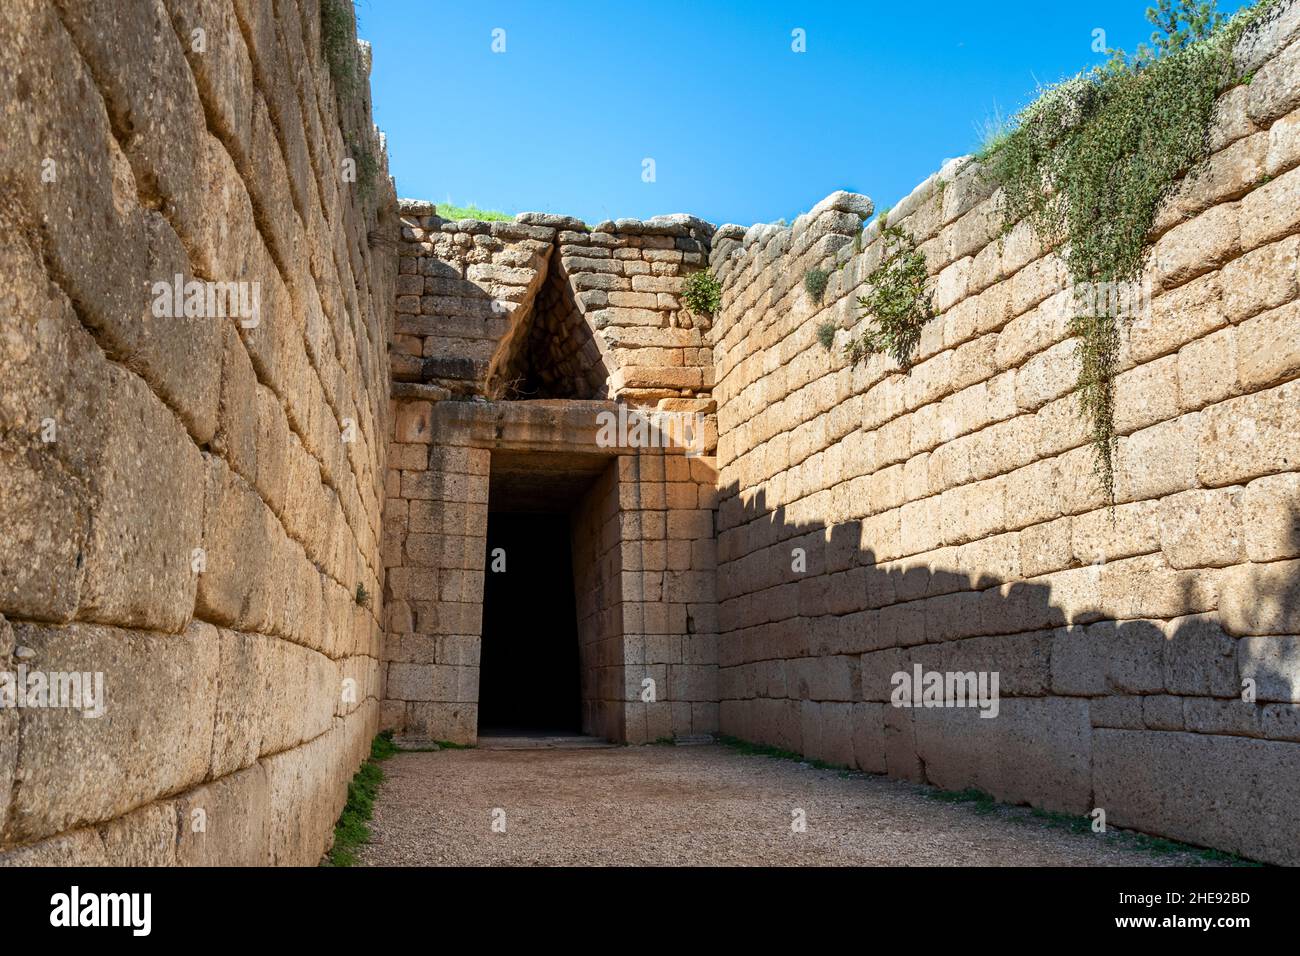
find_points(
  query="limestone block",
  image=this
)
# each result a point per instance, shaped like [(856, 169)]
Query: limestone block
[(1269, 348), (1261, 598), (240, 541), (455, 722), (1207, 371), (1046, 547), (1158, 461), (1200, 245), (1248, 437), (54, 374), (1037, 750), (1226, 792), (144, 837), (1199, 658), (1109, 534), (414, 422), (154, 738), (1272, 211), (1145, 587), (82, 847), (1176, 317), (1283, 144), (234, 815), (1273, 90), (302, 812), (1263, 278), (1202, 529), (1273, 663), (274, 445), (1146, 395), (1270, 512), (868, 737)]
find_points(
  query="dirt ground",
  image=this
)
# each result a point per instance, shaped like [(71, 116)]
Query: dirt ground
[(710, 805)]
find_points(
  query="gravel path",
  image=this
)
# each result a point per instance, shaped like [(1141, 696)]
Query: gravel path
[(695, 805)]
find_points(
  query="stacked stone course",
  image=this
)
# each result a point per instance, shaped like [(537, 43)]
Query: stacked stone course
[(950, 517), (209, 507), (270, 536), (544, 307)]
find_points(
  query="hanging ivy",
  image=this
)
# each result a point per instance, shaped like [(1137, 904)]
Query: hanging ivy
[(1089, 163)]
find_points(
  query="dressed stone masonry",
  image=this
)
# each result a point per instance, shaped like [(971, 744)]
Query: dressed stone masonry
[(209, 509), (951, 519), (268, 533)]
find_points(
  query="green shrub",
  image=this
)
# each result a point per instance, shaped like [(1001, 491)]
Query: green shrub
[(702, 293), (1090, 162), (338, 46), (367, 169), (363, 596), (814, 283), (826, 334), (897, 302)]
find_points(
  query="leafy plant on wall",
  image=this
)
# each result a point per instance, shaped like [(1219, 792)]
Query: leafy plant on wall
[(897, 301), (702, 293)]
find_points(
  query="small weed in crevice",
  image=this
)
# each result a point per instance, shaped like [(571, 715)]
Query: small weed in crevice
[(362, 596)]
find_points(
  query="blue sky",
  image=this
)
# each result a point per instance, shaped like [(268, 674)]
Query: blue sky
[(740, 127)]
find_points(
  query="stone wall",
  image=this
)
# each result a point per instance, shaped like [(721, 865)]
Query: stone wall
[(950, 517), (647, 601), (193, 503)]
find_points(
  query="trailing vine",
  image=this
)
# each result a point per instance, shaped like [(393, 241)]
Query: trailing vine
[(1090, 162), (896, 300)]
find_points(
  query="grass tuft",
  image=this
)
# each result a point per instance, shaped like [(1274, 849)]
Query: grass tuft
[(446, 210), (351, 830), (814, 283), (826, 334)]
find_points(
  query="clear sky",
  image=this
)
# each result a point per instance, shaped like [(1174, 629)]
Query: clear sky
[(740, 127)]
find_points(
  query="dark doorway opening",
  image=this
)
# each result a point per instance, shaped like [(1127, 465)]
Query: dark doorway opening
[(529, 677)]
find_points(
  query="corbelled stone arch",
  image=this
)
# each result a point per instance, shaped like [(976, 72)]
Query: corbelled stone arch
[(553, 350)]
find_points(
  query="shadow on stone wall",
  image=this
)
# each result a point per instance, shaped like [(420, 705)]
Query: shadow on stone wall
[(1143, 717)]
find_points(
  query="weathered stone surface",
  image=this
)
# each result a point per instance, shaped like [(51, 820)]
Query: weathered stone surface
[(226, 822), (154, 737), (1227, 792), (141, 451), (1034, 751)]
